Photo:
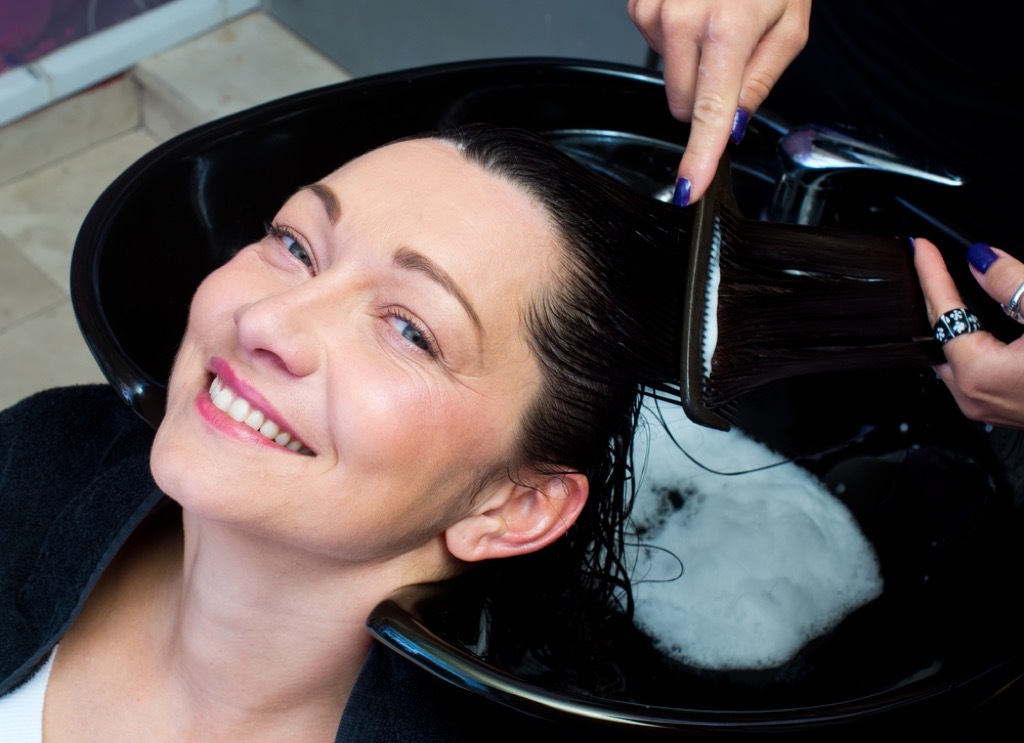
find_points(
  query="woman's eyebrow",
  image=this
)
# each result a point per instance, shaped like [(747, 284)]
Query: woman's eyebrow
[(327, 198), (410, 259)]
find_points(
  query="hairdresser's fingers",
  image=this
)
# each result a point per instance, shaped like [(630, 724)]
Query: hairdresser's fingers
[(779, 46), (721, 110), (998, 272), (681, 52), (721, 60), (984, 378), (940, 292), (716, 116), (646, 16), (982, 373), (941, 295), (703, 76), (676, 29)]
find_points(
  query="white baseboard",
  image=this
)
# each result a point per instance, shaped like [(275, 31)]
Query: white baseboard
[(95, 58)]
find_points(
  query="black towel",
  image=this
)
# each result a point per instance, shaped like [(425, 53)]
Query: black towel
[(74, 483)]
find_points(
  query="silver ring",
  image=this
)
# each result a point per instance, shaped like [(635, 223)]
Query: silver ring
[(1013, 308), (955, 322)]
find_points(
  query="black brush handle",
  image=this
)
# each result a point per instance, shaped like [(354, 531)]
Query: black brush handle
[(718, 197)]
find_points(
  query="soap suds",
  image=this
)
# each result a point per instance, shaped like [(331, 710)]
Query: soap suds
[(769, 559)]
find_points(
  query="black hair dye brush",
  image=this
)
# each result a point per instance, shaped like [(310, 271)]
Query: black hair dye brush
[(766, 301)]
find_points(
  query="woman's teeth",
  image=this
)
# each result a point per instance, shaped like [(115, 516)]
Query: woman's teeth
[(240, 410)]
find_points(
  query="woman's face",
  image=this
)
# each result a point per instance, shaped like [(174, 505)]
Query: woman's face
[(379, 325)]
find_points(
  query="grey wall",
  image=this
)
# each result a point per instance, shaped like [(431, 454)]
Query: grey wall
[(370, 36)]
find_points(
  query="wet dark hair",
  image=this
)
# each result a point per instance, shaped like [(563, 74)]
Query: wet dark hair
[(606, 330)]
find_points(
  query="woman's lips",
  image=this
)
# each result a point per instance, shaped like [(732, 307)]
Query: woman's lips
[(242, 411)]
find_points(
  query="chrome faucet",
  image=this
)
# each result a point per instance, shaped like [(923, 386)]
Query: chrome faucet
[(814, 159)]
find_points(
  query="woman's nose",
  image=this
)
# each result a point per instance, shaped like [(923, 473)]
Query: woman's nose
[(279, 330)]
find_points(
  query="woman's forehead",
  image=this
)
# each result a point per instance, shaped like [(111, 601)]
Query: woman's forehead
[(493, 237), (427, 190), (404, 154)]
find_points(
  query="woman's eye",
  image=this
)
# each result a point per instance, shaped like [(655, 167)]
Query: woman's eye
[(296, 249), (408, 330), (291, 243)]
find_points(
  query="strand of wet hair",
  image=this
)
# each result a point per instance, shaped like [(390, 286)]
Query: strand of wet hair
[(795, 459), (796, 299)]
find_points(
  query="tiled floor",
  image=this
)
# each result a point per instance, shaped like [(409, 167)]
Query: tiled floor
[(54, 164)]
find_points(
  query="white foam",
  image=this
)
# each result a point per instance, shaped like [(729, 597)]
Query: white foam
[(770, 559), (710, 336)]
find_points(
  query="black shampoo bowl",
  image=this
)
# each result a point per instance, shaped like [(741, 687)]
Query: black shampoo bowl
[(933, 492)]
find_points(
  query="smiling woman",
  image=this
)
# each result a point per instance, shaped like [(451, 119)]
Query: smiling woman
[(386, 342), (430, 366)]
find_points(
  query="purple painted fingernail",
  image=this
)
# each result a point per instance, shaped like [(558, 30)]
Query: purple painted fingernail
[(910, 244), (981, 256), (681, 197), (739, 125)]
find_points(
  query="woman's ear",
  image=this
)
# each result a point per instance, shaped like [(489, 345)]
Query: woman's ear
[(519, 517)]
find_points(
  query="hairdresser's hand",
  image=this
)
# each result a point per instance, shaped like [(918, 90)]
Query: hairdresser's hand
[(720, 56), (985, 375)]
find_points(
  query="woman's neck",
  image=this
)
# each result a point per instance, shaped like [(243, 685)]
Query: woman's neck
[(265, 628), (217, 634)]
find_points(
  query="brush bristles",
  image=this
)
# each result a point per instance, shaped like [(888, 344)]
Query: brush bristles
[(796, 300)]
